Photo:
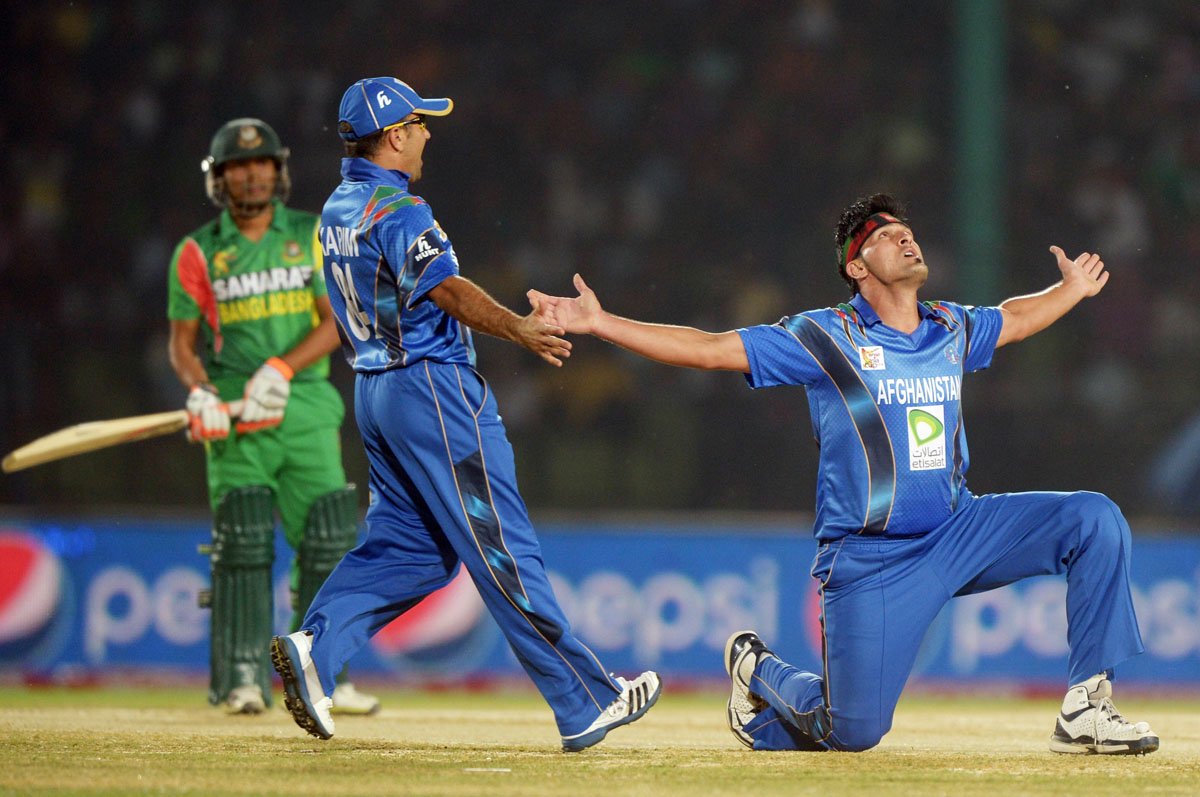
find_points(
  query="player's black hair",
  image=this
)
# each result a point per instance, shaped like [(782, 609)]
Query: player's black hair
[(852, 220), (364, 147)]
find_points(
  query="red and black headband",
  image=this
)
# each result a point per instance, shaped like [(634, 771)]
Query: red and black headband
[(855, 242)]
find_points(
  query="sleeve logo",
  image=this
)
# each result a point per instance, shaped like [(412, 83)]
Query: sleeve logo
[(428, 247)]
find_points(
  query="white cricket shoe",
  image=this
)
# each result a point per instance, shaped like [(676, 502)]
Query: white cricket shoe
[(348, 700), (743, 651), (1089, 723), (636, 698), (246, 699), (303, 694)]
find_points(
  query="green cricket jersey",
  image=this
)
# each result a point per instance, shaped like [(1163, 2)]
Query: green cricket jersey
[(256, 299)]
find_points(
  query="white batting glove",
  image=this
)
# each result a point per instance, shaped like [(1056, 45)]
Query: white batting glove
[(208, 416), (266, 396)]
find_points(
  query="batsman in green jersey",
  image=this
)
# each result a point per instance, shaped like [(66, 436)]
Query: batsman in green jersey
[(251, 321)]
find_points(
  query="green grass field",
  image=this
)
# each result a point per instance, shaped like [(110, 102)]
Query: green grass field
[(168, 741)]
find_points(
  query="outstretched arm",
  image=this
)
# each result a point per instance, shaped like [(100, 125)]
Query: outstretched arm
[(470, 304), (1027, 315), (683, 346)]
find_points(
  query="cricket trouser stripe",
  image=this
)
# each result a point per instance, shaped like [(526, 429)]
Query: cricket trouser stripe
[(483, 522)]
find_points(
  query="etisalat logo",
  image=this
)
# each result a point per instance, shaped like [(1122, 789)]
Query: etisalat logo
[(926, 438)]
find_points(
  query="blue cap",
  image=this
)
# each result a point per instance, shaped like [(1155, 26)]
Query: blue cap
[(373, 103)]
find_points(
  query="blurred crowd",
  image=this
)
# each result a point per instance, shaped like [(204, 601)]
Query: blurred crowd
[(688, 157)]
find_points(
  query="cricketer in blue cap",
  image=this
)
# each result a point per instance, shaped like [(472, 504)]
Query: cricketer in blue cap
[(443, 480), (374, 103)]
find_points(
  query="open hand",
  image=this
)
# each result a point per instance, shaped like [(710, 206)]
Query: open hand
[(1086, 271), (540, 334), (576, 315)]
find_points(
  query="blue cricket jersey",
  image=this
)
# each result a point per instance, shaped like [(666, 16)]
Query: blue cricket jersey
[(886, 408), (383, 253)]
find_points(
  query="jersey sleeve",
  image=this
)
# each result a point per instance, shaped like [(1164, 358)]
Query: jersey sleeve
[(432, 259), (421, 251), (777, 357), (189, 289), (983, 326)]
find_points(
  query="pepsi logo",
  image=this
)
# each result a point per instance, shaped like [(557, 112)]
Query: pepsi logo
[(31, 589), (449, 627)]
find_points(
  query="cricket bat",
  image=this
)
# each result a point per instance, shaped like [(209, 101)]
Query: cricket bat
[(94, 435)]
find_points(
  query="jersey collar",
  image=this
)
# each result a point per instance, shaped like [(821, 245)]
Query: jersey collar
[(870, 318), (361, 170)]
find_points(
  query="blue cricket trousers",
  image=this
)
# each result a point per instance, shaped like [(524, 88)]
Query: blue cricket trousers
[(879, 597), (444, 491)]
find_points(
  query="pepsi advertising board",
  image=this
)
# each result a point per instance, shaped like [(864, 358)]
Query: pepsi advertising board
[(81, 598)]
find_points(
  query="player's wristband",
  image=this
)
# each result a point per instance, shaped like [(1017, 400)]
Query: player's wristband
[(282, 367)]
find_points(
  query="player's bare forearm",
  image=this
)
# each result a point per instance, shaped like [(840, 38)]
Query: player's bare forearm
[(1027, 315), (473, 306), (320, 342), (181, 351), (686, 347)]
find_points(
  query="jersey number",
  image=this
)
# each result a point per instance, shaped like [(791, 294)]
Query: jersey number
[(355, 317)]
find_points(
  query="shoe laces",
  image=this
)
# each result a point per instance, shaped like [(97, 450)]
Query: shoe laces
[(1105, 710), (620, 705), (624, 703)]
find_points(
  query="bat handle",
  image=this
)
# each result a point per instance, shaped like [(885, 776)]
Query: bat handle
[(235, 407)]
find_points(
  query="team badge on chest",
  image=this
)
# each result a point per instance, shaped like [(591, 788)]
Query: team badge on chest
[(870, 358), (222, 260), (292, 252)]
